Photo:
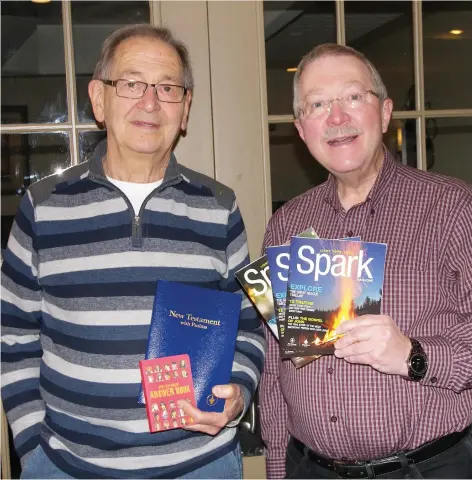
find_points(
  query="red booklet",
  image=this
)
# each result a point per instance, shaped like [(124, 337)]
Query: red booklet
[(166, 380)]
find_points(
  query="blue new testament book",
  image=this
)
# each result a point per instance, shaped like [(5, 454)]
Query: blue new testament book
[(202, 323)]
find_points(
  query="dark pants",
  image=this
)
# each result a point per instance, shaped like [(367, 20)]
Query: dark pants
[(453, 463)]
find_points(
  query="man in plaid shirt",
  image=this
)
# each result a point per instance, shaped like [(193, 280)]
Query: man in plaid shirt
[(395, 401)]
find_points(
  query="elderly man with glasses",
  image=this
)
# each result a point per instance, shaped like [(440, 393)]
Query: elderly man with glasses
[(79, 277), (395, 400)]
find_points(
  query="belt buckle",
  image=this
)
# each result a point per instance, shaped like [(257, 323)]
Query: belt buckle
[(341, 467)]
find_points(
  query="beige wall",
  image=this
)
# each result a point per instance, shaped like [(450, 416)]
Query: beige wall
[(227, 133)]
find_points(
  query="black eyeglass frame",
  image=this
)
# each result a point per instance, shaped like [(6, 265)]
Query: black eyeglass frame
[(114, 83)]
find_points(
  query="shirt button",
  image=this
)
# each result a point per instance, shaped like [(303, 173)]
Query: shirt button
[(350, 233), (434, 380), (334, 419), (330, 370)]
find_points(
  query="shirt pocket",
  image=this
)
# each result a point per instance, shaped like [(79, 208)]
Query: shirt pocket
[(413, 249)]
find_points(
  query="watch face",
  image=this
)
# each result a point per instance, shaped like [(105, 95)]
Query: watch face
[(418, 363)]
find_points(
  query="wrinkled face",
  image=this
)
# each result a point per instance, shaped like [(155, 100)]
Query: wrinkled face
[(342, 138), (145, 125)]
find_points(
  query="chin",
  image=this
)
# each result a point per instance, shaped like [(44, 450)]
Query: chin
[(343, 161), (145, 147), (344, 166), (340, 164)]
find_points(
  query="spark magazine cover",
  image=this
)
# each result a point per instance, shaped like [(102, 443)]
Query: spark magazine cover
[(329, 282), (269, 297), (254, 278)]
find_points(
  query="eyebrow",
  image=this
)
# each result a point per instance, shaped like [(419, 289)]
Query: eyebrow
[(131, 73), (136, 73), (354, 82), (345, 85)]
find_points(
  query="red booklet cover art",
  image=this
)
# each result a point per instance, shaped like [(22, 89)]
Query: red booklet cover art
[(166, 380)]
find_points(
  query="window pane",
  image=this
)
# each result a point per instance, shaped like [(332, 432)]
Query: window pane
[(15, 164), (49, 153), (88, 141), (26, 158), (400, 140), (92, 22), (33, 71), (288, 153), (383, 31), (447, 56), (291, 30), (450, 140)]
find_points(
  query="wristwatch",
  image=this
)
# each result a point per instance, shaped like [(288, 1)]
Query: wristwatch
[(417, 361)]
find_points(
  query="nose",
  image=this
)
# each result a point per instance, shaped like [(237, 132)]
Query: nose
[(149, 101), (337, 114)]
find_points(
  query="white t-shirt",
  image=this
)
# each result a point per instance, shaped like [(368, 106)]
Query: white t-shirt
[(136, 192)]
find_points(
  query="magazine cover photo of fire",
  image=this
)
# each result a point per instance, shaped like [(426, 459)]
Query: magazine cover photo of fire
[(330, 281)]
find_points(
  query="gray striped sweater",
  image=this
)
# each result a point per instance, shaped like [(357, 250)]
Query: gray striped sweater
[(79, 276)]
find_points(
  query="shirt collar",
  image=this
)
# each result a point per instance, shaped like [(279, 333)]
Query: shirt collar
[(381, 185), (96, 170)]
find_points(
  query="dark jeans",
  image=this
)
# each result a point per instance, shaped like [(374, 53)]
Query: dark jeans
[(453, 463)]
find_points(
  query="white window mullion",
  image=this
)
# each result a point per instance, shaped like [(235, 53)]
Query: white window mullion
[(419, 84), (264, 111), (155, 13), (70, 81), (340, 23)]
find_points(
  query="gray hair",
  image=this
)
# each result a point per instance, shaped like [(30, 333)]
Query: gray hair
[(335, 50), (113, 41)]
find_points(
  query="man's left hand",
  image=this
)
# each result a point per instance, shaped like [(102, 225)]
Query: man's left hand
[(374, 340), (211, 422)]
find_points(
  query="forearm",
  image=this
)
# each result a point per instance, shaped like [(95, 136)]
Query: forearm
[(21, 346), (273, 425), (450, 351), (250, 353), (25, 416), (449, 358), (250, 343), (274, 412), (24, 407)]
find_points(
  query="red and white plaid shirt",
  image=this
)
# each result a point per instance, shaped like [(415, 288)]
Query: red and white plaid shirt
[(353, 412)]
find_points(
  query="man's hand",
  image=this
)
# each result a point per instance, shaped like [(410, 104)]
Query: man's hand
[(210, 422), (374, 340)]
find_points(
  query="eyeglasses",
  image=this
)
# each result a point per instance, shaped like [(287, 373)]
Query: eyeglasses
[(352, 101), (165, 92)]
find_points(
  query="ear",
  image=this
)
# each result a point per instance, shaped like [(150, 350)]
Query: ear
[(187, 102), (299, 129), (387, 108), (96, 94)]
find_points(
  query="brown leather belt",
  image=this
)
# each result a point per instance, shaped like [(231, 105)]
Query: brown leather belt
[(382, 466)]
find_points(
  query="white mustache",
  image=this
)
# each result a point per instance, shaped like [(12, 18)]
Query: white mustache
[(336, 132)]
